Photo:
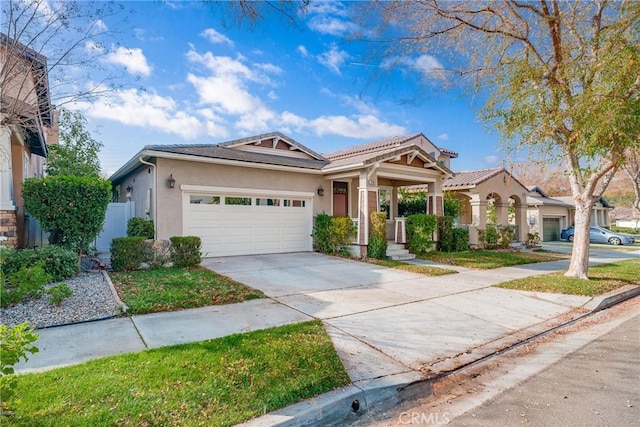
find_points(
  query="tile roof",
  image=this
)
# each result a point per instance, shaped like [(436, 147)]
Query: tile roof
[(218, 152), (471, 178), (390, 142)]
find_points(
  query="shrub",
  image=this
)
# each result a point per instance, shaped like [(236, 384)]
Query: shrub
[(533, 239), (58, 262), (332, 234), (496, 236), (420, 231), (377, 247), (140, 227), (127, 253), (452, 239), (321, 233), (59, 293), (71, 208), (412, 203), (26, 283), (185, 251), (15, 343)]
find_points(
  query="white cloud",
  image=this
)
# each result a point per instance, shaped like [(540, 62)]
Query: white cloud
[(272, 95), (362, 106), (332, 26), (330, 7), (215, 37), (333, 59), (141, 34), (269, 68), (132, 59), (150, 110), (427, 64), (443, 136), (92, 47), (100, 25), (491, 160), (302, 50), (359, 126)]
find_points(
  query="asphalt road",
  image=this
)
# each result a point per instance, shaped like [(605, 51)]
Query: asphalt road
[(598, 385)]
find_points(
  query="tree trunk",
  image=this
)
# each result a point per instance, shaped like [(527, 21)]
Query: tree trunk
[(579, 266)]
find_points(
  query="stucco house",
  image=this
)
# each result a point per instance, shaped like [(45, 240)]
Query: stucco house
[(548, 216), (27, 126), (259, 194)]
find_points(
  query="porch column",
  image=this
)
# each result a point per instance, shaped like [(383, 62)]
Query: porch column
[(479, 213), (367, 203), (6, 172), (502, 213), (522, 222)]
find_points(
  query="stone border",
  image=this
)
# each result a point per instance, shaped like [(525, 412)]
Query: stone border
[(116, 297)]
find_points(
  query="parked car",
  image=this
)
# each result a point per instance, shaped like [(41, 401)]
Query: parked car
[(600, 235)]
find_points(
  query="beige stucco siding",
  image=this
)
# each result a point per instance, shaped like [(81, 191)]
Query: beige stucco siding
[(215, 175), (547, 211)]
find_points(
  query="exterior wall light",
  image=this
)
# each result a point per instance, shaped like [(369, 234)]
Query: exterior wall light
[(320, 191), (171, 183)]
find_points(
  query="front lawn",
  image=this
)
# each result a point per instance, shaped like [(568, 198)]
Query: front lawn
[(602, 279), (483, 259), (426, 270), (170, 289), (218, 382)]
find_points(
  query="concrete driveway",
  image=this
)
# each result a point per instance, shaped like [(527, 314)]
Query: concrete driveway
[(385, 321)]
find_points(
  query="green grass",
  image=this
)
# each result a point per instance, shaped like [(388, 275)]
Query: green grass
[(426, 270), (170, 289), (602, 279), (483, 259), (211, 383)]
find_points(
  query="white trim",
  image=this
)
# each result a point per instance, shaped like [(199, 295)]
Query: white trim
[(248, 191), (241, 163)]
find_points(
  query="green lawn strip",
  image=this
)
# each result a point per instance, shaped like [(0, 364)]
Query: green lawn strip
[(602, 279), (483, 259), (170, 289), (218, 382), (426, 270)]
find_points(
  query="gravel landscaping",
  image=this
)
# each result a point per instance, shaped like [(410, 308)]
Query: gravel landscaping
[(92, 299)]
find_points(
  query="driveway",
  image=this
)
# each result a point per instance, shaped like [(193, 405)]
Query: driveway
[(385, 321)]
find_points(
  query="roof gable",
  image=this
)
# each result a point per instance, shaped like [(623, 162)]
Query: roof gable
[(389, 143), (274, 143), (469, 179)]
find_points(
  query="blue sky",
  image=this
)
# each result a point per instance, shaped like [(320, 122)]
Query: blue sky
[(191, 79)]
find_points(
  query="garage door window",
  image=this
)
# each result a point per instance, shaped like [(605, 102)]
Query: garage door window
[(295, 203), (244, 201), (204, 200), (267, 202)]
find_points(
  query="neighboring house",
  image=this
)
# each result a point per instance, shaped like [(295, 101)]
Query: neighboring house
[(477, 190), (259, 194), (548, 216), (27, 127), (624, 217)]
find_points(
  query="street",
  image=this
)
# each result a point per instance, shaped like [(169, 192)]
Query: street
[(586, 375)]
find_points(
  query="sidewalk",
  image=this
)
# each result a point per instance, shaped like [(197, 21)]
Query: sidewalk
[(392, 329)]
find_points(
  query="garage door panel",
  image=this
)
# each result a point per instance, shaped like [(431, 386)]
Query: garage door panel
[(250, 229)]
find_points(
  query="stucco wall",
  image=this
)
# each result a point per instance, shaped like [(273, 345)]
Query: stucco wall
[(546, 211), (214, 175)]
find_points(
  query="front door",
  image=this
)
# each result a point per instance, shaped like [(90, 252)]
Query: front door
[(340, 199)]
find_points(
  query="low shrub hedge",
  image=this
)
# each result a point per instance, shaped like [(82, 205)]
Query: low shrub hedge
[(377, 247), (420, 232), (140, 227), (58, 262), (185, 251), (127, 253)]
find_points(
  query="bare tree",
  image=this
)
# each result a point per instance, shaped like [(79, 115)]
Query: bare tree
[(52, 47), (564, 79)]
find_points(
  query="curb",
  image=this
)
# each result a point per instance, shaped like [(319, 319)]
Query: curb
[(603, 302), (346, 405)]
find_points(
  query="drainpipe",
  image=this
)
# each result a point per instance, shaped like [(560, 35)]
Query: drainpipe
[(154, 193)]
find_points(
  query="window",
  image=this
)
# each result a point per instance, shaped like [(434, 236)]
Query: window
[(243, 201), (340, 188), (267, 202), (204, 200), (295, 203)]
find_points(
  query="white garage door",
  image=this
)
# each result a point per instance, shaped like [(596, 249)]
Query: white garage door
[(246, 224)]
